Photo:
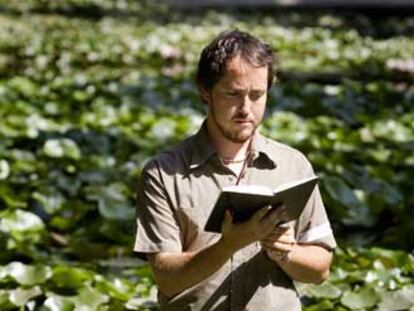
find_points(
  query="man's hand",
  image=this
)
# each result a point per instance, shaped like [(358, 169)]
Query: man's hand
[(304, 263), (279, 243), (260, 225)]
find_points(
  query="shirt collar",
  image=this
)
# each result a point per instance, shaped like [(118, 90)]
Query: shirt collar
[(261, 150), (202, 149)]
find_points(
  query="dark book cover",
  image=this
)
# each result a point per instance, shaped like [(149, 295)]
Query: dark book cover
[(244, 200)]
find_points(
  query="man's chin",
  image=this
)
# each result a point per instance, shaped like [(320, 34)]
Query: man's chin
[(240, 137)]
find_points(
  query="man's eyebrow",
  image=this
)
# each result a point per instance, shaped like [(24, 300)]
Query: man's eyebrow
[(236, 88)]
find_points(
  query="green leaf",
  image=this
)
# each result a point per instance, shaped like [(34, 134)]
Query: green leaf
[(163, 129), (20, 220), (358, 213), (363, 298), (325, 290), (8, 195), (58, 303), (89, 297), (340, 191), (113, 202), (3, 272), (69, 277), (64, 147), (52, 202), (4, 169), (401, 299), (322, 305), (5, 303), (20, 297), (116, 288), (28, 275)]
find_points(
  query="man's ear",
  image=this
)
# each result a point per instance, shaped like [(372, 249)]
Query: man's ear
[(205, 95)]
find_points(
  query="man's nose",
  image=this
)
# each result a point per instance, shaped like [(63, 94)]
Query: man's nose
[(245, 104)]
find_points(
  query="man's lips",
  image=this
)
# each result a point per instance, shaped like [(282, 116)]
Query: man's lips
[(242, 121)]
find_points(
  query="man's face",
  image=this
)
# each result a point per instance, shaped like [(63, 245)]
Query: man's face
[(238, 100)]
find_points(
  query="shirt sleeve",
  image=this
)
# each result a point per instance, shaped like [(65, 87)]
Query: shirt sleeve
[(313, 226), (157, 229)]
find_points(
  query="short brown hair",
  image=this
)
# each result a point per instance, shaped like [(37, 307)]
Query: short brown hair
[(226, 45)]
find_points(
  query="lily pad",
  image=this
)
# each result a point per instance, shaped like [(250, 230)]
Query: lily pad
[(363, 298), (325, 290), (20, 220), (20, 297), (58, 148), (58, 303), (402, 299), (70, 277), (28, 275), (89, 297), (4, 169)]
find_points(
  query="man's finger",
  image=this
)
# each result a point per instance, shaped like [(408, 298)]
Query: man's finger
[(284, 240), (227, 220), (261, 213), (271, 219), (277, 231), (278, 246)]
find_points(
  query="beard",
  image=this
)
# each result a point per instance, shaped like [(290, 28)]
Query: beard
[(234, 135)]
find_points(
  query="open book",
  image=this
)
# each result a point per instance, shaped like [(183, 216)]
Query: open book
[(244, 200)]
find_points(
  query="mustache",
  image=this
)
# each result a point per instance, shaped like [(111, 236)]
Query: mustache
[(242, 119), (242, 116)]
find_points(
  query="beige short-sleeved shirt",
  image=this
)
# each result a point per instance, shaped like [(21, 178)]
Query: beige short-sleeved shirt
[(177, 192)]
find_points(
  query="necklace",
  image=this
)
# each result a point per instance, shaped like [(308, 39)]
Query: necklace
[(227, 161)]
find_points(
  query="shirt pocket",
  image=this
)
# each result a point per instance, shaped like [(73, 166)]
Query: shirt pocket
[(191, 225), (191, 216), (194, 237)]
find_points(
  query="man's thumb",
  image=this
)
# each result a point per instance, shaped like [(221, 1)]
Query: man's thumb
[(227, 219)]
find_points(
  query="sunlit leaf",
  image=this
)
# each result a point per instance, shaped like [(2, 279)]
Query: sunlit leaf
[(58, 303), (58, 148), (4, 169), (363, 298), (52, 202), (28, 275), (113, 202), (117, 288), (20, 220), (89, 298), (325, 290), (401, 299), (20, 297), (69, 277)]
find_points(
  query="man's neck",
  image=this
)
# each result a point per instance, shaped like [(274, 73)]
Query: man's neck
[(226, 148)]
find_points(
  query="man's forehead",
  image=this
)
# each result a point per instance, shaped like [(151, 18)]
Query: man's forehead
[(240, 65), (236, 81), (238, 72)]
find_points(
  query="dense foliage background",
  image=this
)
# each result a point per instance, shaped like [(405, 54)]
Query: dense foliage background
[(89, 90)]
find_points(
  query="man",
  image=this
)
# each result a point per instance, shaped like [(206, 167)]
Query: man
[(250, 265)]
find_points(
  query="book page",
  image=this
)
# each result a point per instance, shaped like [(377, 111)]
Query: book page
[(293, 184), (253, 189)]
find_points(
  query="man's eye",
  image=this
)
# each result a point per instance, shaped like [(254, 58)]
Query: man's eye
[(256, 96), (232, 94)]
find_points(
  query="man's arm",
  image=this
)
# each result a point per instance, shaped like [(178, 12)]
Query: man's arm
[(175, 272), (306, 263)]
